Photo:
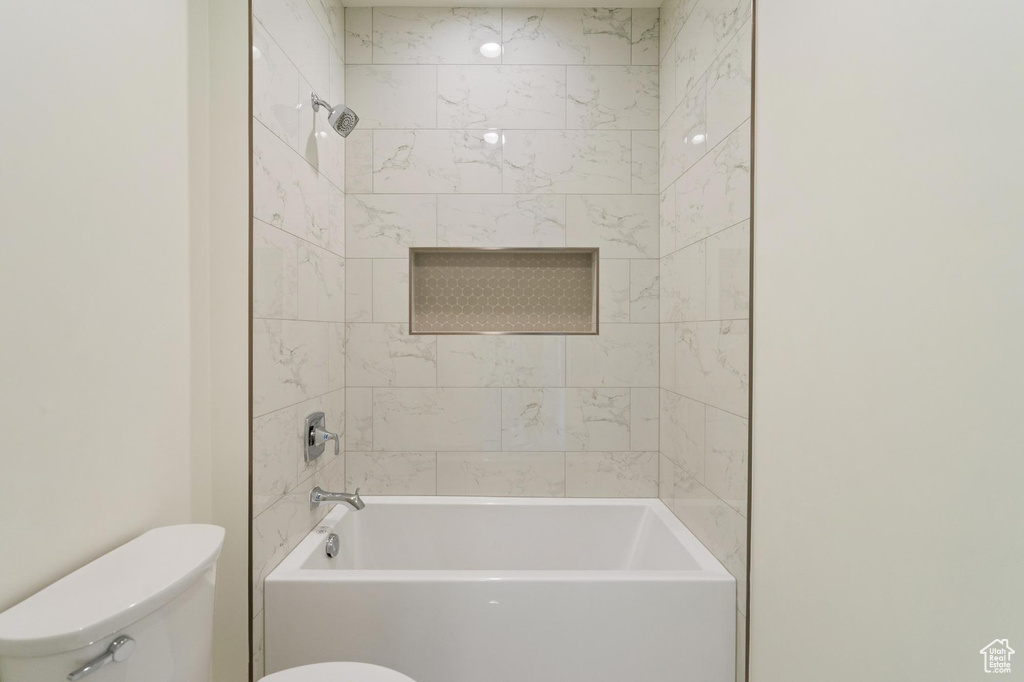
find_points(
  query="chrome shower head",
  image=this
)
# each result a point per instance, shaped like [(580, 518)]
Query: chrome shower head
[(342, 119)]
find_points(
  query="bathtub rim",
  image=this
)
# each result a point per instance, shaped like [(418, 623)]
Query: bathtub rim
[(291, 567)]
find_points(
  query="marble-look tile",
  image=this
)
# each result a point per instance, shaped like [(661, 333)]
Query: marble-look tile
[(275, 446), (359, 290), (682, 285), (646, 164), (275, 86), (725, 457), (321, 284), (294, 27), (566, 36), (533, 419), (386, 355), (277, 531), (531, 97), (644, 290), (728, 273), (597, 419), (694, 50), (391, 473), (684, 138), (501, 474), (436, 161), (358, 35), (668, 220), (258, 647), (457, 419), (715, 193), (501, 220), (358, 419), (666, 89), (359, 162), (613, 291), (274, 272), (672, 15), (707, 361), (729, 87), (727, 17), (393, 95), (501, 361), (289, 363), (567, 161), (287, 192), (385, 226), (335, 356), (336, 222), (331, 15), (391, 290), (741, 644), (682, 432), (611, 474), (415, 35), (623, 355), (644, 407), (622, 226), (645, 36), (612, 97), (718, 526)]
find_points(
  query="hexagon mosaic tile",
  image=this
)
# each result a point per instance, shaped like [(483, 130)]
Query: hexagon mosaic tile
[(504, 291)]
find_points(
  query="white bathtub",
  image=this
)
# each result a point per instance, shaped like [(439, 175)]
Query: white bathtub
[(506, 590)]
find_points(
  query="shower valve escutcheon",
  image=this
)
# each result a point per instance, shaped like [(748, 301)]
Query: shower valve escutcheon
[(317, 436)]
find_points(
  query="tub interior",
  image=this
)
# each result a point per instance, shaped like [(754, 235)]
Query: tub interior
[(496, 537)]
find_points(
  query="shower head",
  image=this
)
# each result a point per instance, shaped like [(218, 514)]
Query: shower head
[(342, 119)]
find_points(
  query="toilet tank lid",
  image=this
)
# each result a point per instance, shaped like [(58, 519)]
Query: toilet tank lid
[(112, 592)]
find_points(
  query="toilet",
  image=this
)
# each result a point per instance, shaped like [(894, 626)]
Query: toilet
[(142, 613)]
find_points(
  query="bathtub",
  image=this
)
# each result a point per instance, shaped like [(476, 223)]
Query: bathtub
[(450, 589)]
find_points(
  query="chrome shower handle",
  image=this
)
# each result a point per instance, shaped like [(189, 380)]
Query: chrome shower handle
[(119, 650), (322, 436)]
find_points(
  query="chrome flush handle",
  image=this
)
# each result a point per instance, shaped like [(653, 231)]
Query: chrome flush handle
[(119, 650)]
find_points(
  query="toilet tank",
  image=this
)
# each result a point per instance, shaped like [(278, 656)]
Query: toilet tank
[(156, 589)]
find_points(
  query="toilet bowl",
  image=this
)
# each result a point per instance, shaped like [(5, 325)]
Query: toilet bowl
[(338, 672), (140, 613)]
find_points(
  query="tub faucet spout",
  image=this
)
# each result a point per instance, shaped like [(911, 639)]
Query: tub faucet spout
[(317, 496)]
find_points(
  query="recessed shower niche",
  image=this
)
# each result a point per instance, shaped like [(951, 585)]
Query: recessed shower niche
[(503, 291)]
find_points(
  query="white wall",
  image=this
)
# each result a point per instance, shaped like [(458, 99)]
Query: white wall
[(888, 533), (94, 282)]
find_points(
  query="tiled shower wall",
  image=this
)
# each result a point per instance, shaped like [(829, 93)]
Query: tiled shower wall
[(705, 275), (551, 143), (298, 272)]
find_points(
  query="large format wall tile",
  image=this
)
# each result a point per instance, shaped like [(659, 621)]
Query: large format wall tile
[(646, 164), (359, 290), (385, 226), (612, 97), (566, 36), (414, 35), (725, 458), (289, 363), (644, 287), (644, 406), (391, 473), (682, 432), (274, 272), (358, 35), (707, 361), (611, 474), (729, 87), (622, 226), (500, 361), (287, 192), (391, 290), (597, 419), (694, 50), (613, 290), (503, 474), (728, 273), (436, 161), (682, 284), (501, 97), (386, 355), (715, 193), (459, 419), (358, 418), (684, 136), (275, 87), (294, 26), (621, 355), (645, 36), (500, 220), (392, 96), (533, 419), (567, 161), (359, 161)]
